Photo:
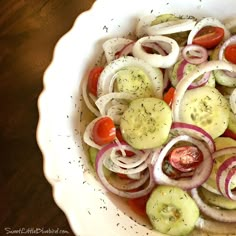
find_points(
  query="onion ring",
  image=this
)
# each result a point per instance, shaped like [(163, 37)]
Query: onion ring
[(106, 79), (171, 27), (198, 58), (214, 213), (201, 173), (224, 175), (195, 132), (109, 187), (183, 85), (114, 45), (156, 60), (208, 21)]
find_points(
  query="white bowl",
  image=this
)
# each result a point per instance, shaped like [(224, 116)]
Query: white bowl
[(88, 207)]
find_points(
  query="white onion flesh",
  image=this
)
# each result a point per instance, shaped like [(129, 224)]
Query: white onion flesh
[(201, 173), (107, 78), (114, 45), (103, 101), (231, 40), (208, 21), (91, 107), (88, 134), (156, 60), (194, 54), (171, 27), (101, 156), (128, 184)]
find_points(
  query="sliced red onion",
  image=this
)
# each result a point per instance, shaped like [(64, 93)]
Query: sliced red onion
[(107, 77), (221, 152), (201, 173), (157, 60), (180, 71), (195, 132), (224, 151), (194, 84), (224, 176), (195, 54), (183, 85), (232, 101), (208, 21), (99, 168), (125, 51), (124, 165), (156, 47), (171, 27), (114, 45), (129, 184), (216, 227), (214, 213)]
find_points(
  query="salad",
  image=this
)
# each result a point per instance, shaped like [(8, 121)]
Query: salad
[(163, 135)]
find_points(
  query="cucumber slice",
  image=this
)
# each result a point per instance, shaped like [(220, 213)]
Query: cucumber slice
[(92, 157), (164, 18), (215, 54), (133, 80), (217, 200), (207, 108), (188, 69), (172, 211), (224, 79), (146, 123)]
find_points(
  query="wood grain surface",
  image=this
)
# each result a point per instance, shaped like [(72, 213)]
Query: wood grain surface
[(29, 30)]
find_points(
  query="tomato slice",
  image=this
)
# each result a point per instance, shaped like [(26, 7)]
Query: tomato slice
[(209, 37), (170, 171), (93, 79), (169, 95), (185, 158), (230, 53), (120, 138), (104, 131), (229, 133), (138, 205)]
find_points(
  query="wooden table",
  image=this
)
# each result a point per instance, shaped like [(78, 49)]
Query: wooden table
[(29, 30)]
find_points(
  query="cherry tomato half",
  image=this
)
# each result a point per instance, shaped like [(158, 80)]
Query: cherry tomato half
[(93, 79), (229, 133), (120, 138), (169, 95), (170, 171), (230, 53), (104, 131), (138, 205), (209, 37), (185, 158)]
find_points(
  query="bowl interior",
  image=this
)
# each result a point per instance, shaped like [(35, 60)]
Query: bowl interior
[(64, 116)]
